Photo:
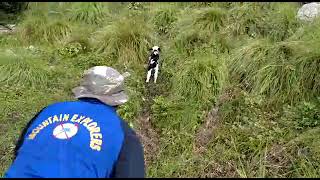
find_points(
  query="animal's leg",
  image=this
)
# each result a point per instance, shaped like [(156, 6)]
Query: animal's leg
[(156, 73), (148, 75)]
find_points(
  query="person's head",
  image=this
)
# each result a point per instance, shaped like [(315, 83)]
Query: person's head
[(103, 83)]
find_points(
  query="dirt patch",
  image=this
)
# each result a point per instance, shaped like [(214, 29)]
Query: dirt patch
[(4, 129), (278, 160), (206, 131), (214, 169), (149, 138), (227, 95), (14, 116), (148, 135)]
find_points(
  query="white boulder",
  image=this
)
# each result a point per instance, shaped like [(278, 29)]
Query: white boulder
[(309, 11)]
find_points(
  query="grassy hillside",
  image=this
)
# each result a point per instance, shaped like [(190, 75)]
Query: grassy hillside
[(238, 93)]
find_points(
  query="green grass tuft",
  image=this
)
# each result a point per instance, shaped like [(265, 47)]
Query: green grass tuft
[(202, 78), (23, 70), (89, 13)]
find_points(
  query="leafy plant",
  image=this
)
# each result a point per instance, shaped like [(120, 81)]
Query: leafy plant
[(305, 115), (72, 49)]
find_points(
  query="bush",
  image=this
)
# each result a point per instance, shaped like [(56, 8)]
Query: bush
[(72, 49)]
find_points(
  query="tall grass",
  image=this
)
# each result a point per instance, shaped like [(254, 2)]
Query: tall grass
[(126, 40), (91, 13), (201, 78), (200, 30), (281, 21), (164, 19), (175, 113), (20, 69), (42, 29), (287, 71), (187, 40), (246, 19), (211, 19)]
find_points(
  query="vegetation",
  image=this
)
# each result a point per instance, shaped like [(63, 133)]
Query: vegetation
[(238, 94), (10, 11)]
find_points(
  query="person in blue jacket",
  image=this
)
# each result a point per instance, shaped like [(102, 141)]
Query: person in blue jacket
[(83, 138)]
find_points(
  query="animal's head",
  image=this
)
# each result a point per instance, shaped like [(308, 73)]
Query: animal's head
[(155, 50)]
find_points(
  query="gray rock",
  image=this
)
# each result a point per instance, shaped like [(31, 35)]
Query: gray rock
[(309, 11), (8, 28)]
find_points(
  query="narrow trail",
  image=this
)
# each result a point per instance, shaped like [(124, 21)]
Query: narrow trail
[(149, 136), (146, 132), (206, 131)]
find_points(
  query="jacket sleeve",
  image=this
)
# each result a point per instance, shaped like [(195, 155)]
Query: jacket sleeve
[(130, 163)]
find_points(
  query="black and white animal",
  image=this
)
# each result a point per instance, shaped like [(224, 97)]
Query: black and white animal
[(153, 63)]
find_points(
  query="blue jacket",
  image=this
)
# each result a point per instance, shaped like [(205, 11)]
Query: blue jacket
[(83, 138)]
